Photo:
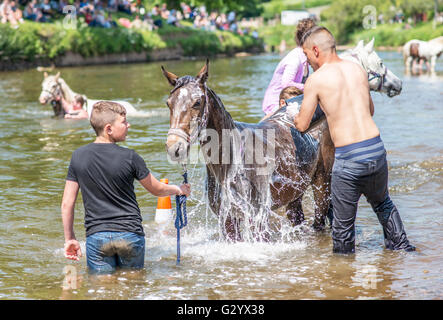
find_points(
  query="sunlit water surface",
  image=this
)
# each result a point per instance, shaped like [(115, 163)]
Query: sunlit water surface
[(36, 150)]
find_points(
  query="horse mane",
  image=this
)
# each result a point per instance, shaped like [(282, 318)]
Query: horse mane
[(68, 94), (181, 82)]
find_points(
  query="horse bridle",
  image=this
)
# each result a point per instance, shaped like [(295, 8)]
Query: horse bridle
[(53, 95), (374, 74), (382, 77), (202, 122)]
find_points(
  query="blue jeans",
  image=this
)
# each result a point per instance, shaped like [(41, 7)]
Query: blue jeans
[(105, 251), (349, 181)]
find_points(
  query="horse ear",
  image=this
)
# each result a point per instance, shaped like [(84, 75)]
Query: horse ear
[(360, 44), (204, 72), (57, 76), (45, 74), (172, 78), (370, 46)]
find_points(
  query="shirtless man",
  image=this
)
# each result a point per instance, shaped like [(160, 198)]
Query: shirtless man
[(360, 167)]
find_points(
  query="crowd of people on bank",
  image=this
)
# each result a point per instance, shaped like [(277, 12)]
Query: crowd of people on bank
[(98, 13)]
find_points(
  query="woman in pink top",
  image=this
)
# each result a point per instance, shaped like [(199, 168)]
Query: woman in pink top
[(289, 72)]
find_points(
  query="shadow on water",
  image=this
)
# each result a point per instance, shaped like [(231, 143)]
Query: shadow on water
[(299, 264)]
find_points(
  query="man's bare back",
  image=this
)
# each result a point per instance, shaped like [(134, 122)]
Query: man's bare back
[(343, 92)]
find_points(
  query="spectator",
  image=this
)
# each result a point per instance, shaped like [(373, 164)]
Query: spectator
[(7, 15), (16, 12), (124, 6), (32, 12), (112, 6), (172, 18), (46, 9), (110, 21)]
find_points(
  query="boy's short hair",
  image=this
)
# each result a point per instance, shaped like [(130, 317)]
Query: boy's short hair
[(103, 113), (290, 92), (79, 98)]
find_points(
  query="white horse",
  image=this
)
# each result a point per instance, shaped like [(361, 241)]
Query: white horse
[(54, 88), (426, 50), (380, 78)]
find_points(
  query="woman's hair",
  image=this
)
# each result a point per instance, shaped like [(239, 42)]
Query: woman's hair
[(104, 112), (302, 27), (290, 92)]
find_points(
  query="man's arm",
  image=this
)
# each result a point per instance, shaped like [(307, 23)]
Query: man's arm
[(72, 246), (160, 189), (82, 114), (307, 109)]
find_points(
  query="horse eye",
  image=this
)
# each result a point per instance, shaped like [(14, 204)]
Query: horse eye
[(196, 104)]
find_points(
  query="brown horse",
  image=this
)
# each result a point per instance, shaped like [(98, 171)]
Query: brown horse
[(245, 185), (263, 166)]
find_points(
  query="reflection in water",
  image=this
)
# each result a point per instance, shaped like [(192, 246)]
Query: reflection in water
[(35, 154)]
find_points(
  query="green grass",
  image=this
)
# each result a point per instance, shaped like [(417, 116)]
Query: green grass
[(396, 34), (272, 35)]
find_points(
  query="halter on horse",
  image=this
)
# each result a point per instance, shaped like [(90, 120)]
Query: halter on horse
[(380, 78)]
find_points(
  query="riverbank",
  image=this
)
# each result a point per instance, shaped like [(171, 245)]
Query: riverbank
[(36, 44), (387, 36)]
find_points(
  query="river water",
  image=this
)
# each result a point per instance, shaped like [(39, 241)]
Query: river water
[(35, 153)]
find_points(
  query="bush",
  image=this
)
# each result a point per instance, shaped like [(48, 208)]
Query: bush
[(50, 40), (397, 35)]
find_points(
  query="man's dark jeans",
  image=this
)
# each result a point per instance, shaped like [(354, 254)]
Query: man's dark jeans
[(349, 181)]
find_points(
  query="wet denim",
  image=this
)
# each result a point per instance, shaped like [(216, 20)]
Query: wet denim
[(106, 251), (350, 180)]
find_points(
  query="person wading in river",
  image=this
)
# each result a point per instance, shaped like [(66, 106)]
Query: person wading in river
[(105, 172), (360, 167)]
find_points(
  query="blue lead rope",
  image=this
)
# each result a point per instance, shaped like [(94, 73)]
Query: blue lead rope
[(181, 219)]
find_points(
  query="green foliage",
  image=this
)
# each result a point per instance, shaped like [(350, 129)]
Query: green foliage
[(397, 35), (345, 17), (50, 41), (272, 36)]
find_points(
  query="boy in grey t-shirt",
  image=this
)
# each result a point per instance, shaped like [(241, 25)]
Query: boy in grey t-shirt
[(105, 173)]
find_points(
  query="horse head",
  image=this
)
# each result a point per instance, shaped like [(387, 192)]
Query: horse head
[(187, 103), (52, 93), (380, 78)]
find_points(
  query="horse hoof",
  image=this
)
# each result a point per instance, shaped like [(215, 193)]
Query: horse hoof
[(318, 227)]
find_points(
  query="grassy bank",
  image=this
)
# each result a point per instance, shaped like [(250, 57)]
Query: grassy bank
[(384, 34), (397, 34), (50, 41)]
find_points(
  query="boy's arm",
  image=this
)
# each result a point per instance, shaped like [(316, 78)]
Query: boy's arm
[(72, 246), (160, 189), (302, 120)]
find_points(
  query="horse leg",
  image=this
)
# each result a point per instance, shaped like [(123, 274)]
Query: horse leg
[(321, 187), (294, 212), (409, 60), (232, 229)]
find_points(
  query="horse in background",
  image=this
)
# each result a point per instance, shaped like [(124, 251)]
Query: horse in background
[(418, 51), (54, 88)]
